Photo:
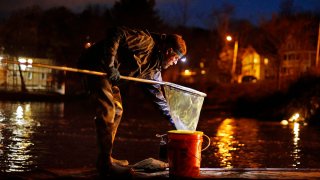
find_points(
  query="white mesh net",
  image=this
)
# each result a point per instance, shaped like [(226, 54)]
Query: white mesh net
[(184, 107)]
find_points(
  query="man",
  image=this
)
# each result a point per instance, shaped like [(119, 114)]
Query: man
[(133, 53)]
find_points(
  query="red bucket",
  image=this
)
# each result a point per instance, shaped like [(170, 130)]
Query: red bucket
[(184, 153)]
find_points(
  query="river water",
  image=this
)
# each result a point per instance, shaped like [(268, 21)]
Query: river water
[(62, 135)]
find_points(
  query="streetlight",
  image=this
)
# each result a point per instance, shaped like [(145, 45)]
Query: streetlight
[(234, 60)]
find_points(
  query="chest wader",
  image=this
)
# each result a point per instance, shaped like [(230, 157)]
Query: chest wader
[(108, 117)]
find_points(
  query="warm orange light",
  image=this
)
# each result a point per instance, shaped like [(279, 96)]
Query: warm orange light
[(229, 38), (187, 72), (87, 45)]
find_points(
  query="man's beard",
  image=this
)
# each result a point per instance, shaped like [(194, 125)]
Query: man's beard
[(166, 66)]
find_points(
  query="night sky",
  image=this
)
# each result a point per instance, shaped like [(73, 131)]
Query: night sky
[(199, 10)]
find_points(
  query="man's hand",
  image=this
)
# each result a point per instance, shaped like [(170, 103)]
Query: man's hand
[(113, 75)]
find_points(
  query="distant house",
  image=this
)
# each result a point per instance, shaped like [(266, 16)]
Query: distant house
[(297, 57), (255, 63), (251, 63), (27, 77)]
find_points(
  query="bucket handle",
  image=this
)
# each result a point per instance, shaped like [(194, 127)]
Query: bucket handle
[(209, 143), (162, 136)]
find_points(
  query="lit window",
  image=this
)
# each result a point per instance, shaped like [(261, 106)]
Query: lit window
[(29, 63), (23, 61), (29, 75)]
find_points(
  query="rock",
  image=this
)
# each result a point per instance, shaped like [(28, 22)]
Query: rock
[(150, 165)]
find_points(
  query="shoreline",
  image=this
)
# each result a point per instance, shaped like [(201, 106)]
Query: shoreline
[(37, 96)]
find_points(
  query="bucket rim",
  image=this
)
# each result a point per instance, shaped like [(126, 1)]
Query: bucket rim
[(185, 132)]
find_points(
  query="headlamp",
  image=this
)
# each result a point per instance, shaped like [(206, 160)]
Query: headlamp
[(181, 57)]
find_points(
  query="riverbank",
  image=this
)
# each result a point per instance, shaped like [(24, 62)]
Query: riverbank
[(37, 96)]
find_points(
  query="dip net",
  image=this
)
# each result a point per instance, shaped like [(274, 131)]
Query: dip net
[(185, 105)]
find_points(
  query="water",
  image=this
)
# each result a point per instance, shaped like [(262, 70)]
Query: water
[(41, 135), (248, 143), (62, 135)]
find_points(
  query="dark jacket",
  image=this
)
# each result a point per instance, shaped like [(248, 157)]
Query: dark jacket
[(134, 53)]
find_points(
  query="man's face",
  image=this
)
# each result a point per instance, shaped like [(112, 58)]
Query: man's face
[(171, 58)]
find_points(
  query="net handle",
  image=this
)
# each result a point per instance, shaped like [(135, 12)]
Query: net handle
[(84, 71)]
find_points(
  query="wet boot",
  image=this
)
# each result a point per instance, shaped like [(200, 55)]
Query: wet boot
[(112, 170), (119, 162), (105, 166)]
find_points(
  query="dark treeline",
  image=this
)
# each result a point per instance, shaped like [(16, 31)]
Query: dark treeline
[(60, 33)]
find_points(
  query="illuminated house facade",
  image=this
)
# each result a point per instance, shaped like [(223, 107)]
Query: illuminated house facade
[(294, 61), (251, 63), (255, 64), (297, 57), (26, 77)]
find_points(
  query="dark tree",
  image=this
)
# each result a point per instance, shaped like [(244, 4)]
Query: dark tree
[(19, 33), (286, 7), (136, 14), (58, 34), (93, 21)]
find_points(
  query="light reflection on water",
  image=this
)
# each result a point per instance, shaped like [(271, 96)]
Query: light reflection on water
[(248, 143), (296, 149), (225, 143), (229, 141), (17, 128)]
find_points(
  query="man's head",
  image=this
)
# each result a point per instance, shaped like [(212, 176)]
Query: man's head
[(175, 49)]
